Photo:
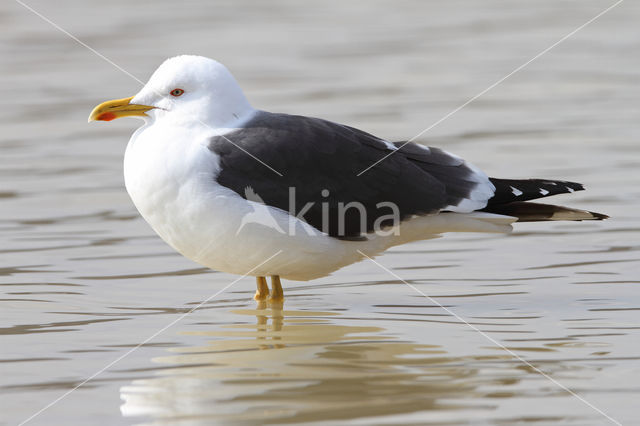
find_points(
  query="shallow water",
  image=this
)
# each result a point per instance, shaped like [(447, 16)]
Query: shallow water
[(85, 281)]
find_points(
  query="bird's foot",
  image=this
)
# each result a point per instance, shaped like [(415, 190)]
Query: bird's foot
[(262, 291), (277, 294), (276, 305)]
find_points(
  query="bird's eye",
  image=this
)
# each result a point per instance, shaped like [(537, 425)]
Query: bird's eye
[(176, 92)]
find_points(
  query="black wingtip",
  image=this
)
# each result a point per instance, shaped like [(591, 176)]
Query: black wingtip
[(513, 190), (573, 185)]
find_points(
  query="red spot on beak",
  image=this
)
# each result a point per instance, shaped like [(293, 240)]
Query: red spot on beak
[(107, 116)]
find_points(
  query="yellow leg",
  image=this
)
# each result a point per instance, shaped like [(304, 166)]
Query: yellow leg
[(263, 289), (277, 295)]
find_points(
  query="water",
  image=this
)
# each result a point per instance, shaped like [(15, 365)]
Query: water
[(85, 280)]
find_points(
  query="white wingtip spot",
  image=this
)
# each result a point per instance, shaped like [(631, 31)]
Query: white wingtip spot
[(516, 191), (426, 148), (569, 189), (543, 191), (390, 146)]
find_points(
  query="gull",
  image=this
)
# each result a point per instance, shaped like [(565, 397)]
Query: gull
[(251, 192)]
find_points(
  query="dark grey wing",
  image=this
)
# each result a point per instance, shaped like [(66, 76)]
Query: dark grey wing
[(320, 161)]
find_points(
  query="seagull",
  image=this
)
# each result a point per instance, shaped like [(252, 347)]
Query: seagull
[(250, 192)]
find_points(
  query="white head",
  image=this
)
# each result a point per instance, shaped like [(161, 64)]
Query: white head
[(184, 89)]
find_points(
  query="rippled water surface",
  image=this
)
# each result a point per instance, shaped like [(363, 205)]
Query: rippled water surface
[(88, 288)]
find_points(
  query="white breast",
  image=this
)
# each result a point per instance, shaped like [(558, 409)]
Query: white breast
[(170, 175)]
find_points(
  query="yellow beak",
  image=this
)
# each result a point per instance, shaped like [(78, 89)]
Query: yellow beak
[(117, 108)]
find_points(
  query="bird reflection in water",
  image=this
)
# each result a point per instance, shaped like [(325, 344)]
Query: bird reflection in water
[(277, 319), (296, 366)]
